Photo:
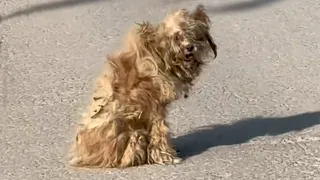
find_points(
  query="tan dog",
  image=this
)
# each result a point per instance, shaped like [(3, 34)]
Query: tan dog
[(125, 125)]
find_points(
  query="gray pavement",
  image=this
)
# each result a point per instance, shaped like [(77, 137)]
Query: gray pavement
[(254, 113)]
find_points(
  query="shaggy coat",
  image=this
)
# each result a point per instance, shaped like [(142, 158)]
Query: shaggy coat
[(125, 124)]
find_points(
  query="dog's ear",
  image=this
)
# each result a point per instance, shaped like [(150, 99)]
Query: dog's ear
[(212, 44), (145, 34), (199, 14), (145, 30)]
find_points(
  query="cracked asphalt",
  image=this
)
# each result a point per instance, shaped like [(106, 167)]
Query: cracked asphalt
[(254, 114)]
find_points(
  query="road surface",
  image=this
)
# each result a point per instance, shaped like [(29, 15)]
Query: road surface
[(253, 115)]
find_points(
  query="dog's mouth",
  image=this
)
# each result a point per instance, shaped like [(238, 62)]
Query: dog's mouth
[(189, 56), (190, 59)]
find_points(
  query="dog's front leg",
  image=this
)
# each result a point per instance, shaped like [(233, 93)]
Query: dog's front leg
[(160, 150)]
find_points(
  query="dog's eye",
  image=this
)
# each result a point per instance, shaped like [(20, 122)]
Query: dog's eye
[(177, 36), (201, 38)]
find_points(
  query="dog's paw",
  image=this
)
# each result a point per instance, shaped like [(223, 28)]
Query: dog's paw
[(156, 156), (74, 162), (177, 160), (173, 161)]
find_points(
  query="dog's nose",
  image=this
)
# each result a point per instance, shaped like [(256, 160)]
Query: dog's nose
[(190, 48)]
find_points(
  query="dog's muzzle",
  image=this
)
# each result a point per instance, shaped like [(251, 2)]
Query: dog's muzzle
[(190, 61), (189, 52)]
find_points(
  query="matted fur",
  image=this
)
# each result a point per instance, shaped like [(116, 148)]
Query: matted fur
[(125, 124)]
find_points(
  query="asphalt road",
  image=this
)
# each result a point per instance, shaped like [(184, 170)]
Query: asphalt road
[(253, 115)]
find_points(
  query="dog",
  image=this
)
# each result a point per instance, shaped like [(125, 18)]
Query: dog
[(125, 124)]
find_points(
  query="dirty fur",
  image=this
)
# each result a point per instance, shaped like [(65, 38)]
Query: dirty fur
[(125, 124)]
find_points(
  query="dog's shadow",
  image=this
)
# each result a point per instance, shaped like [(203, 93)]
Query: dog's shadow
[(200, 140)]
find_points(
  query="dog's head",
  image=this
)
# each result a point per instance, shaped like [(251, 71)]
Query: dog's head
[(186, 41)]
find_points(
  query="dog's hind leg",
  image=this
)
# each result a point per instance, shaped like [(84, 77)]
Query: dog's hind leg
[(111, 146), (100, 146)]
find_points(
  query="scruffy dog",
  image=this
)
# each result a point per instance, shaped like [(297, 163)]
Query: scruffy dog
[(125, 124)]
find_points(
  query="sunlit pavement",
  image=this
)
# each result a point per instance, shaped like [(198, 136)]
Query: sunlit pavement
[(253, 114)]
